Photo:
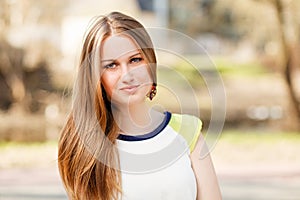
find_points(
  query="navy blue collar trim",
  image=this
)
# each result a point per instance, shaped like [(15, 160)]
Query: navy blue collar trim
[(148, 135)]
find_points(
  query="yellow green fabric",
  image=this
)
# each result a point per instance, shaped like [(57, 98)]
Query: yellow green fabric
[(187, 126)]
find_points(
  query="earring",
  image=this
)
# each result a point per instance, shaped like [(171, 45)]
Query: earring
[(153, 91)]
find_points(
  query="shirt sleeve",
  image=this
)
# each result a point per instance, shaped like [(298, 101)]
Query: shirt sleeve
[(187, 126)]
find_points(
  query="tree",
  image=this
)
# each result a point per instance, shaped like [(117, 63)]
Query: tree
[(26, 46), (290, 44), (262, 22)]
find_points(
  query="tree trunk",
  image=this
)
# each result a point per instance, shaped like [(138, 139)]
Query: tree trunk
[(289, 61)]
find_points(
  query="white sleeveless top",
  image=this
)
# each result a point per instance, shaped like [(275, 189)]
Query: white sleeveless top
[(157, 165)]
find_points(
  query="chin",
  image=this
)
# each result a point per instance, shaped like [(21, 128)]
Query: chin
[(130, 100)]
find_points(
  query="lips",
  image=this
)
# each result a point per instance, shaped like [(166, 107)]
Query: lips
[(130, 88)]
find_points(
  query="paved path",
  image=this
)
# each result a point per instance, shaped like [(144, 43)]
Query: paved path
[(31, 184), (44, 184)]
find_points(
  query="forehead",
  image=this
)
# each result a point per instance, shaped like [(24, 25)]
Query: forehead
[(115, 46)]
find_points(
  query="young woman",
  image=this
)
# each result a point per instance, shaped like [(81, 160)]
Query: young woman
[(114, 145)]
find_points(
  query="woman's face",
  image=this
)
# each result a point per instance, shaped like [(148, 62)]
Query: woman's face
[(125, 75)]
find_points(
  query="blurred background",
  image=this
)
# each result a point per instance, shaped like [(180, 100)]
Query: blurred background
[(253, 44)]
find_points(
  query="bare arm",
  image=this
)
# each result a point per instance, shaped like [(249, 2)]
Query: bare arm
[(207, 183)]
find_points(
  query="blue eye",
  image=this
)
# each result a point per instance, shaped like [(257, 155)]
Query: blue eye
[(136, 60), (110, 66)]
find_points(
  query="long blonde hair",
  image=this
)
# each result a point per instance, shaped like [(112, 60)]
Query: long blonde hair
[(87, 158)]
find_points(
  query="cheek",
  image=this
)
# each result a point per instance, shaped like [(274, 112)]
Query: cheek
[(109, 83), (142, 74)]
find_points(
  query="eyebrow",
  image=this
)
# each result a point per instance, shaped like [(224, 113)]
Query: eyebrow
[(108, 60), (111, 60)]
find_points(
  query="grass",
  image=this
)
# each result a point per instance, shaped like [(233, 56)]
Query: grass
[(228, 67), (26, 155), (194, 67), (238, 137), (253, 151), (196, 71), (10, 144)]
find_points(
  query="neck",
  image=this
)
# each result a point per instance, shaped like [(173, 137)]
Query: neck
[(138, 119)]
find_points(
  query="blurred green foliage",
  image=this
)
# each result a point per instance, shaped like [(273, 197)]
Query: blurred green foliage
[(229, 67), (195, 67), (247, 137)]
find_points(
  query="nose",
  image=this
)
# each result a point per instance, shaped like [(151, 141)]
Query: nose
[(127, 75)]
